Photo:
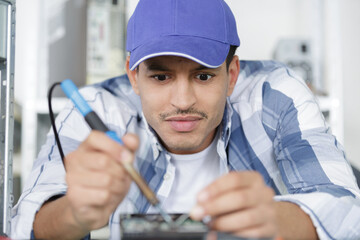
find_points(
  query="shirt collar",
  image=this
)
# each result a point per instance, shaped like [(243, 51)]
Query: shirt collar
[(226, 123), (153, 139)]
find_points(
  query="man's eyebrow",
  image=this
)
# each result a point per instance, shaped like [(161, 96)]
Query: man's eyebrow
[(156, 67)]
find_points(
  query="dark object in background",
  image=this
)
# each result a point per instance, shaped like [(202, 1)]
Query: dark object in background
[(357, 175), (298, 54)]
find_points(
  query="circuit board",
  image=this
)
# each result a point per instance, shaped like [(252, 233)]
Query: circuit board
[(153, 226)]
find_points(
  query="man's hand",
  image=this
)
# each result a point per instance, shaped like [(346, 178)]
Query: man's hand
[(96, 179), (238, 203), (97, 183)]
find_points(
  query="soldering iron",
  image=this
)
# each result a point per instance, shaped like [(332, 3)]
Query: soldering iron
[(95, 123)]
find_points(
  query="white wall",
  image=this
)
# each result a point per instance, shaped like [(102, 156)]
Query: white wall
[(261, 23), (351, 75)]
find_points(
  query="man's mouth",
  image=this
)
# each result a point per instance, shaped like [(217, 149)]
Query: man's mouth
[(183, 123)]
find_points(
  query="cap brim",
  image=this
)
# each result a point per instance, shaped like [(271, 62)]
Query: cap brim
[(208, 53)]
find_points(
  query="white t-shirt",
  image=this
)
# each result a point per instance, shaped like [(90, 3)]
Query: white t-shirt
[(190, 175)]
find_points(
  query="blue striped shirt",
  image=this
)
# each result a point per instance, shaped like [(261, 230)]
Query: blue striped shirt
[(272, 124)]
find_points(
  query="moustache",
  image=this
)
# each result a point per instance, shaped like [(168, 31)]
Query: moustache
[(177, 112)]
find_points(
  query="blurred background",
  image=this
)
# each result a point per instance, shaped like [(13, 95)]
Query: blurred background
[(85, 40)]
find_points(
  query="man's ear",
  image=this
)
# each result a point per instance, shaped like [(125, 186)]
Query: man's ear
[(133, 75), (233, 72)]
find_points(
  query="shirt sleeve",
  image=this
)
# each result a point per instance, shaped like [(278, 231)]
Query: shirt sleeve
[(311, 161), (47, 178)]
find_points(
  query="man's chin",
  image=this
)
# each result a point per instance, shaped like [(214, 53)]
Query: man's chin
[(185, 147)]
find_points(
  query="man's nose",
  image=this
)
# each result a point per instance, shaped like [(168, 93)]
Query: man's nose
[(183, 94)]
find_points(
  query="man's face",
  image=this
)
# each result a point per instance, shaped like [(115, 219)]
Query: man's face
[(182, 100)]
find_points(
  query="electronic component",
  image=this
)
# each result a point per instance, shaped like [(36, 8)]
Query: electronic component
[(153, 226)]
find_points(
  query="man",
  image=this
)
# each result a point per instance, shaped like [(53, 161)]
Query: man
[(212, 136)]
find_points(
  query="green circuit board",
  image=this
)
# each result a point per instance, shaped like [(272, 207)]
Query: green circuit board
[(153, 226)]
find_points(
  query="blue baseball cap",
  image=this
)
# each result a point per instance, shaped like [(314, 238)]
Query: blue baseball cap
[(200, 30)]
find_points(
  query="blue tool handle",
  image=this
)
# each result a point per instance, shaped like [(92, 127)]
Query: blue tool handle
[(113, 136), (72, 92), (90, 116)]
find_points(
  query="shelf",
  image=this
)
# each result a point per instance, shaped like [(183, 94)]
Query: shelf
[(57, 105)]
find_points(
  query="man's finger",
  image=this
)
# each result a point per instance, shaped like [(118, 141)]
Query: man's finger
[(131, 141), (262, 231), (212, 235), (230, 182), (100, 180), (242, 220), (233, 201), (99, 141), (90, 162)]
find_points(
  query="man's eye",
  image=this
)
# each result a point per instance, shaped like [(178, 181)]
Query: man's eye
[(204, 77), (161, 77)]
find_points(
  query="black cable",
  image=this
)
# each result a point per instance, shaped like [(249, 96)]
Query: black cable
[(52, 119)]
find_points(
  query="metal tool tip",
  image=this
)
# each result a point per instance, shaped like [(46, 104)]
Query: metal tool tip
[(165, 215)]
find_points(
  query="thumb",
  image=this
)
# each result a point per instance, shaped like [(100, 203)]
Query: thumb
[(131, 144), (131, 141)]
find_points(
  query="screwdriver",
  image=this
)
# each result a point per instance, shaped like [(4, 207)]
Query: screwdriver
[(95, 123)]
